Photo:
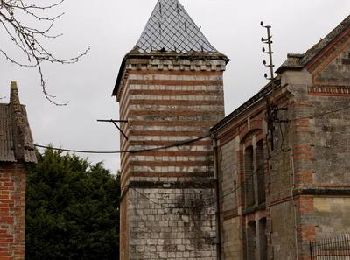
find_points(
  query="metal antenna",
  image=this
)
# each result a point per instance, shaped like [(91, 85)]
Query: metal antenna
[(269, 42)]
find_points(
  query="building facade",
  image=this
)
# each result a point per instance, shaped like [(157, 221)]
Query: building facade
[(261, 183), (282, 157), (170, 91), (16, 150)]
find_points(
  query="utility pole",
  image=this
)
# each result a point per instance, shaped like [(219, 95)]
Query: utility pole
[(269, 42)]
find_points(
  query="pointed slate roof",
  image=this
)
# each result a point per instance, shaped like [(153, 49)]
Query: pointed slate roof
[(171, 29)]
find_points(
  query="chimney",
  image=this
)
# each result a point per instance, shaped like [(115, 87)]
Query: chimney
[(18, 123), (14, 100)]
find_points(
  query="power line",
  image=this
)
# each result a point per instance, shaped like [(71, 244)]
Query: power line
[(74, 151), (176, 144)]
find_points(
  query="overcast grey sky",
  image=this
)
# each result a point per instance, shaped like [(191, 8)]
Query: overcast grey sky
[(111, 29)]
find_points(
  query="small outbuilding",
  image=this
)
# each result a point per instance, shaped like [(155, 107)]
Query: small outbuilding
[(16, 151)]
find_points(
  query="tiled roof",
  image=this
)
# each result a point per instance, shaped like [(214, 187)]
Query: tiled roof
[(265, 91), (8, 132), (298, 61), (171, 29), (6, 141)]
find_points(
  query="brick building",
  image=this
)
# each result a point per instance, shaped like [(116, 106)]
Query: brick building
[(264, 182), (283, 157), (16, 150), (170, 90)]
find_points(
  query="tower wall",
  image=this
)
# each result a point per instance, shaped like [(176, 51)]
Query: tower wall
[(168, 205)]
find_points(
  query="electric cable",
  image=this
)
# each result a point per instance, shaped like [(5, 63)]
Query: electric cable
[(176, 144)]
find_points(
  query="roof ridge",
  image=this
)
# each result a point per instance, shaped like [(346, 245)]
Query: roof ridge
[(298, 61), (315, 49)]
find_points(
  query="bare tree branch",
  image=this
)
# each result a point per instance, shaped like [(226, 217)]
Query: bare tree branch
[(29, 39)]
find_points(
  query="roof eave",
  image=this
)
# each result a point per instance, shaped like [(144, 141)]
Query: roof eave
[(282, 69), (120, 76), (265, 91)]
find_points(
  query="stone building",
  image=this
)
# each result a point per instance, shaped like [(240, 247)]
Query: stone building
[(16, 150), (283, 157), (170, 90)]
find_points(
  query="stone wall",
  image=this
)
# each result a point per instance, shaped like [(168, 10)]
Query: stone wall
[(337, 210), (12, 211), (172, 223), (231, 239), (231, 242), (283, 231)]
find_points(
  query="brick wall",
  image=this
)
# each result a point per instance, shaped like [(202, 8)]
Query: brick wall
[(164, 107), (12, 211)]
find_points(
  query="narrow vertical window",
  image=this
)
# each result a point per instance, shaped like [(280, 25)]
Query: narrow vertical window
[(260, 171), (262, 239), (249, 176), (251, 240)]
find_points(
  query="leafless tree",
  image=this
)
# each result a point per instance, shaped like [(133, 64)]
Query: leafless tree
[(28, 25)]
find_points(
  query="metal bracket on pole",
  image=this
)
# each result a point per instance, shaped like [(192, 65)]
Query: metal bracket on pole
[(116, 125)]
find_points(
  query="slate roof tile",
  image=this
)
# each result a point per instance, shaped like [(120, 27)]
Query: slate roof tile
[(171, 29)]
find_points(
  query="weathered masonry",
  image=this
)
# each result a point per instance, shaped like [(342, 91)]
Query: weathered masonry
[(16, 150), (283, 158), (170, 90)]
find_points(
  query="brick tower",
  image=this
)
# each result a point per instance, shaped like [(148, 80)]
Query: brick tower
[(170, 90)]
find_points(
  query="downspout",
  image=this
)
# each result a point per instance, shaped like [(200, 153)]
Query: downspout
[(217, 198)]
